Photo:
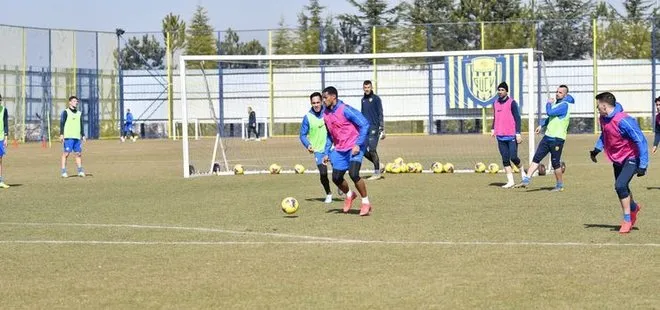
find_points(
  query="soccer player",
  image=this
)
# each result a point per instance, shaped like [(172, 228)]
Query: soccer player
[(506, 128), (626, 147), (72, 135), (656, 139), (348, 129), (372, 109), (556, 128), (128, 127), (314, 136), (4, 132), (252, 123)]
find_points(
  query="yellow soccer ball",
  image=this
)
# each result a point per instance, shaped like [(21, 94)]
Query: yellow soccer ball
[(480, 167), (419, 168), (299, 169), (289, 205), (395, 168), (388, 167), (448, 168), (274, 169), (403, 168), (493, 168), (515, 169), (238, 169), (437, 167), (399, 161)]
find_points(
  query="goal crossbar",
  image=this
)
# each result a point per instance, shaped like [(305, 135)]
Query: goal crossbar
[(528, 52)]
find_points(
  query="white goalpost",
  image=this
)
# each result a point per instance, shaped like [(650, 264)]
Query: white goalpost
[(269, 82)]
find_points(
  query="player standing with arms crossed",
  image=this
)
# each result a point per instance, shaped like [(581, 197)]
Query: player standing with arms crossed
[(314, 137), (372, 109), (626, 147), (72, 135), (4, 133), (348, 129), (506, 129), (556, 129)]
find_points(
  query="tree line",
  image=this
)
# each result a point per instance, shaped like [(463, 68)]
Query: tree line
[(563, 29)]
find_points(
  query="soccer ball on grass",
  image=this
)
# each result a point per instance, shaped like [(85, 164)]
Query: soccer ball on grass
[(289, 205)]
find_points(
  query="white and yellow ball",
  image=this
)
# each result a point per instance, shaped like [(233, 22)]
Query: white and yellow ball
[(411, 167), (299, 169), (493, 168), (289, 205), (399, 161), (480, 167), (437, 167), (419, 168), (238, 169), (388, 167), (448, 168), (395, 168), (274, 169)]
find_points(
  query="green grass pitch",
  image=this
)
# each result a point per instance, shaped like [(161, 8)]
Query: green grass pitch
[(137, 235)]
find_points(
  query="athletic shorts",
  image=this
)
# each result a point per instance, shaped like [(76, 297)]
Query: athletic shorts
[(72, 145), (319, 157), (342, 160), (2, 148)]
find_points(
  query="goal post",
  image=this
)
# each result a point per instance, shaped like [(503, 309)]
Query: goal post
[(366, 63)]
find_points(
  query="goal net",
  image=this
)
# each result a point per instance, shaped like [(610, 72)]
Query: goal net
[(437, 105)]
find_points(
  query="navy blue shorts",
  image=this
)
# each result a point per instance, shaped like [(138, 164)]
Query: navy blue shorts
[(554, 146), (2, 148)]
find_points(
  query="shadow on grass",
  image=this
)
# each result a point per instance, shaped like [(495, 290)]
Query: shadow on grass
[(610, 227), (497, 184), (290, 216), (14, 185), (340, 211), (652, 187), (323, 199), (540, 189)]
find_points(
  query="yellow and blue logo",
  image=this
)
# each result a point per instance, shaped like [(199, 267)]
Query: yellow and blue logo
[(471, 81)]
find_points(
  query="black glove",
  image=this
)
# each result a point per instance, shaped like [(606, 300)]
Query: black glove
[(641, 172), (593, 154)]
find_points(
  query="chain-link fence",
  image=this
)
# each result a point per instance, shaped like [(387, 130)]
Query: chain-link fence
[(113, 72)]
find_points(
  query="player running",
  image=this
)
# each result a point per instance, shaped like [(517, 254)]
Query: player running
[(72, 135), (626, 147), (506, 128), (556, 129), (314, 137), (348, 129)]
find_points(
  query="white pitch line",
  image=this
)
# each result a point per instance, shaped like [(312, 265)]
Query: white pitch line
[(201, 229), (309, 239), (321, 242)]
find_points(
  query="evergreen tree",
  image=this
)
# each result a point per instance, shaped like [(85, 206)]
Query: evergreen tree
[(566, 29), (201, 38)]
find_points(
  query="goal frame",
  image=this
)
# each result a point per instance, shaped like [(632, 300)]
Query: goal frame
[(528, 52)]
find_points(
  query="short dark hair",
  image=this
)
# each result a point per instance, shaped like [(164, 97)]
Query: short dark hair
[(656, 99), (315, 94), (366, 82), (606, 97), (564, 86), (331, 90), (73, 97)]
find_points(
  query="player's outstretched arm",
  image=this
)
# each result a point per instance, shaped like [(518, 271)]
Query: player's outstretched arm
[(304, 131)]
